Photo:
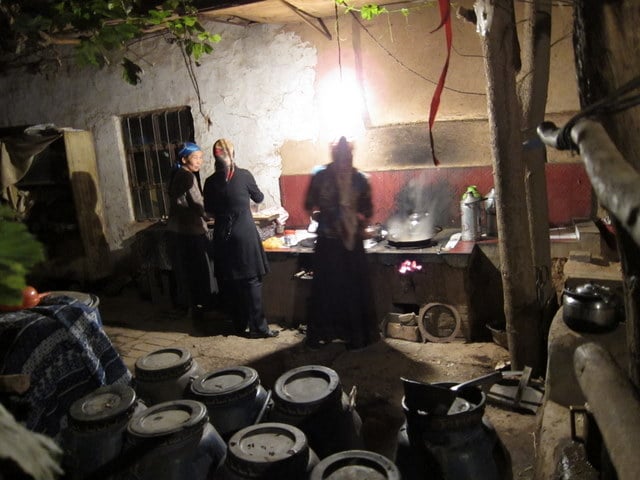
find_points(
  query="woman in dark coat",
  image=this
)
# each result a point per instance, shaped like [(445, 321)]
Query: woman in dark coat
[(239, 259), (341, 301), (187, 227)]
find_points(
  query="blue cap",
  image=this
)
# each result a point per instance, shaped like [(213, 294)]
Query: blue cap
[(187, 149)]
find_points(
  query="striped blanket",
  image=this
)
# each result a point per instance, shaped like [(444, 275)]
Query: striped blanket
[(61, 345)]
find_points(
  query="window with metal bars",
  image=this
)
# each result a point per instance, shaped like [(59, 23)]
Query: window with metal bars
[(151, 141)]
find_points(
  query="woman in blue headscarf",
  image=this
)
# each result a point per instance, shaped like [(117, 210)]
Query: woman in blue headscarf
[(188, 228)]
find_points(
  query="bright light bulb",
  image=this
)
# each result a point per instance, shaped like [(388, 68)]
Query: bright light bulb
[(341, 106)]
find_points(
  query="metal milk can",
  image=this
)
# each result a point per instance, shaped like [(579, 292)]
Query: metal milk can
[(447, 437), (173, 441), (268, 451), (234, 398), (491, 223), (471, 214), (311, 398), (165, 374), (95, 435), (355, 464)]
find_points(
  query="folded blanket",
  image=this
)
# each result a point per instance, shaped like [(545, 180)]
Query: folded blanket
[(61, 345)]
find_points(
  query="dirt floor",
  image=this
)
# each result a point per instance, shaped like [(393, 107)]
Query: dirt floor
[(136, 327)]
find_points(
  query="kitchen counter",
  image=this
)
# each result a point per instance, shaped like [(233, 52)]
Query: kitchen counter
[(444, 276), (461, 252)]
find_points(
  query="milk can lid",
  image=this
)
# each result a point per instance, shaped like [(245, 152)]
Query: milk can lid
[(163, 362), (268, 448), (305, 389), (104, 404), (169, 418), (88, 299), (226, 384), (355, 464)]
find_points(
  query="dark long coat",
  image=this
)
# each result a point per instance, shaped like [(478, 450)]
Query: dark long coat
[(237, 248), (341, 305)]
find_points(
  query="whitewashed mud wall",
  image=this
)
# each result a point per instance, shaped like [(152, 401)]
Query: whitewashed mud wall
[(257, 88)]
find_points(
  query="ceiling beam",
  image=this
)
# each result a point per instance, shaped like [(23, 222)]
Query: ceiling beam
[(313, 22)]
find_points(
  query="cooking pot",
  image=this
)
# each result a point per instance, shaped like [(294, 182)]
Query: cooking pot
[(416, 231), (402, 241), (376, 232), (591, 308)]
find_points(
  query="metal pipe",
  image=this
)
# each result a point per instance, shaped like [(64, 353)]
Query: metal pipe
[(613, 401)]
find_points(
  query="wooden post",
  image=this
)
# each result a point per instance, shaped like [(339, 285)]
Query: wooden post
[(533, 81), (518, 274)]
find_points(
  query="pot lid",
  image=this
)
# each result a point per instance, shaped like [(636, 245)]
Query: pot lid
[(589, 289), (268, 448), (226, 384), (355, 464), (163, 362), (168, 418), (105, 404), (593, 293), (305, 389)]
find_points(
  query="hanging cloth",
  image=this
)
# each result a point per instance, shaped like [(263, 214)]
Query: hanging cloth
[(445, 20)]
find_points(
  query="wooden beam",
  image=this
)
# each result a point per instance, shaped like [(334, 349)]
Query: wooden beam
[(313, 22)]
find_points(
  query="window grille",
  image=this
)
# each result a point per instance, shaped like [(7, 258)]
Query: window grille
[(151, 140)]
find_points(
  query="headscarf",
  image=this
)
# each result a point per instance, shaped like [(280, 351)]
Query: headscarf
[(187, 149), (224, 161), (342, 150)]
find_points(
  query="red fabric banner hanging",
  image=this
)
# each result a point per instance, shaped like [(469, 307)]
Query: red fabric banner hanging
[(445, 20)]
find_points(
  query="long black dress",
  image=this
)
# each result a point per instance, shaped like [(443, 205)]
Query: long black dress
[(341, 298), (188, 242), (239, 259)]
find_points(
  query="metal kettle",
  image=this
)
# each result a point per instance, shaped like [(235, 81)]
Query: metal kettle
[(591, 308)]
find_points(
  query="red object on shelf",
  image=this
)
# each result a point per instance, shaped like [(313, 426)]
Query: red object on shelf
[(30, 298)]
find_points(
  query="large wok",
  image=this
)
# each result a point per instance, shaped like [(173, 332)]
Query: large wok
[(415, 231), (400, 240)]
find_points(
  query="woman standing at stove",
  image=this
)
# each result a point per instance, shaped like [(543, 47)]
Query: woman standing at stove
[(341, 301)]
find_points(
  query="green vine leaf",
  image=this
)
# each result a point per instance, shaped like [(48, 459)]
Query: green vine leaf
[(371, 11), (99, 28), (19, 252)]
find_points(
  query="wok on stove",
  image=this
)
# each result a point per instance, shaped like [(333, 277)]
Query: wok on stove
[(414, 232)]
